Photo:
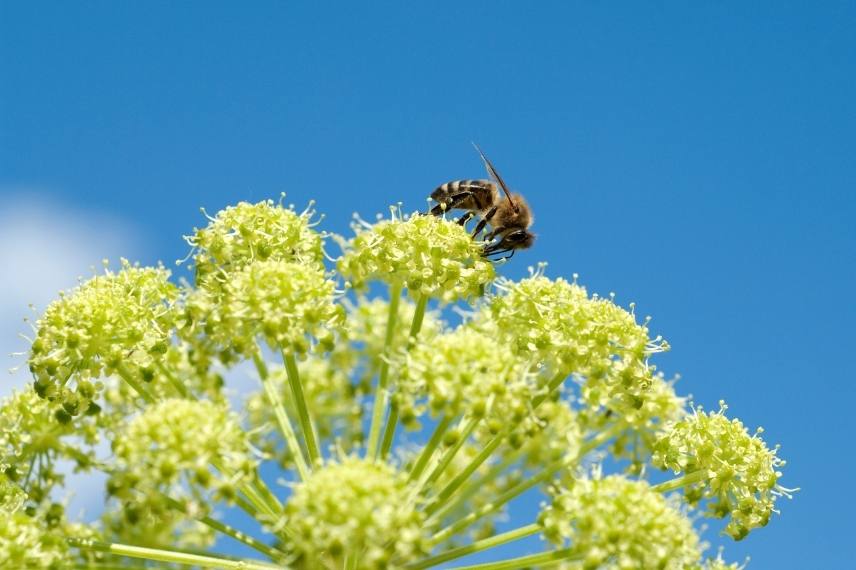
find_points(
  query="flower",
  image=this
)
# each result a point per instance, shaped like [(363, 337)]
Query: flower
[(27, 542), (639, 428), (553, 432), (739, 473), (426, 254), (245, 233), (12, 497), (27, 433), (556, 324), (113, 322), (285, 303), (178, 441), (467, 371), (354, 506), (616, 523)]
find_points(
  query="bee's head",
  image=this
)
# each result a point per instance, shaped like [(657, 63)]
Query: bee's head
[(517, 239)]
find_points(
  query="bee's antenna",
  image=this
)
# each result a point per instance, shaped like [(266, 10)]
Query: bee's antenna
[(495, 175)]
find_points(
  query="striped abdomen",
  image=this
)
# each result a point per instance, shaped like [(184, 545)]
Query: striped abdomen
[(466, 194)]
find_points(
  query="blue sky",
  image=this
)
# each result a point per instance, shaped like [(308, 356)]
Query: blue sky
[(697, 159)]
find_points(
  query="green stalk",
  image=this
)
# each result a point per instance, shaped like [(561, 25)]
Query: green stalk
[(262, 489), (392, 422), (495, 471), (126, 375), (477, 546), (682, 481), (383, 378), (282, 418), (542, 560), (446, 493), (223, 528), (176, 383), (302, 410), (501, 500), (430, 447), (161, 555), (451, 452)]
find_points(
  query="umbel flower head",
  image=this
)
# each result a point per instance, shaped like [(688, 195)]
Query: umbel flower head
[(284, 303), (113, 322), (354, 506), (27, 542), (638, 429), (28, 433), (177, 441), (245, 233), (466, 370), (426, 254), (557, 324), (518, 395), (616, 523), (737, 473), (552, 432)]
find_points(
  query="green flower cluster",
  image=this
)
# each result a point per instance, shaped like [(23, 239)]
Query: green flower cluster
[(29, 437), (354, 506), (245, 233), (178, 441), (556, 324), (465, 371), (424, 254), (738, 474), (554, 431), (284, 303), (26, 542), (113, 323), (538, 384), (614, 523)]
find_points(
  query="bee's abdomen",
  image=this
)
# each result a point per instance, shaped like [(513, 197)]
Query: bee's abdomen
[(480, 193)]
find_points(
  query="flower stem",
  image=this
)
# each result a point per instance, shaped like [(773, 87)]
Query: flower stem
[(541, 560), (302, 410), (462, 477), (452, 451), (223, 528), (430, 447), (383, 378), (682, 481), (495, 471), (282, 417), (160, 555), (128, 377), (176, 383), (453, 529), (477, 546), (392, 421)]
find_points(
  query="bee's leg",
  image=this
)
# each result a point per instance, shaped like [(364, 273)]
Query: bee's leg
[(482, 222), (509, 256), (465, 218), (493, 233), (451, 204)]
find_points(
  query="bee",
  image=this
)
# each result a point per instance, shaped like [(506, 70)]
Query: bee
[(509, 215)]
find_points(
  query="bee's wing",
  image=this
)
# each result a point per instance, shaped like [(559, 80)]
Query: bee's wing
[(495, 176)]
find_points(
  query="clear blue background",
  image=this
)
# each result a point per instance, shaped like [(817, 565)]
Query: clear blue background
[(698, 159)]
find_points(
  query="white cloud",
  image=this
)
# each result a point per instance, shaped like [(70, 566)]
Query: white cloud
[(44, 247)]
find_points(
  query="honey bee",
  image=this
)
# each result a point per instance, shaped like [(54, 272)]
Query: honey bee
[(509, 215)]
